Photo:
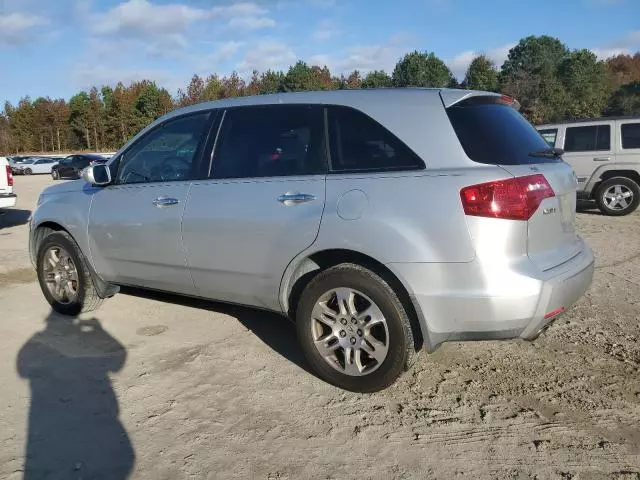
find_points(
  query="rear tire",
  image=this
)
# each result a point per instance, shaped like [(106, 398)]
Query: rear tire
[(81, 296), (618, 196), (373, 321)]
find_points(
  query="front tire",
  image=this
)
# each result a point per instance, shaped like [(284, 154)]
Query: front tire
[(27, 171), (54, 175), (64, 275), (618, 196), (353, 329)]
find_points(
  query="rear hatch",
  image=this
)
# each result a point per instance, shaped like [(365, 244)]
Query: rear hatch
[(491, 131)]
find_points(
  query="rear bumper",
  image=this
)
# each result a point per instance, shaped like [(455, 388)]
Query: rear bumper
[(471, 301), (8, 200)]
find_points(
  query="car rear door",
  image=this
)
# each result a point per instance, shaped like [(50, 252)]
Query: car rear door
[(588, 146), (261, 204), (135, 223)]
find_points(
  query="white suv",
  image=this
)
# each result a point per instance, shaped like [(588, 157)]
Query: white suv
[(7, 197), (605, 154)]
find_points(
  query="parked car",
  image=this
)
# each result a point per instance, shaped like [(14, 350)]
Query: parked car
[(605, 154), (71, 166), (7, 197), (33, 165), (16, 159), (388, 221)]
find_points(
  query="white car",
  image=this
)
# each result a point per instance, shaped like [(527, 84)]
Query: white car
[(7, 197), (35, 165)]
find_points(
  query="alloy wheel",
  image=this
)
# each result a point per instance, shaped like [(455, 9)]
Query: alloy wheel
[(617, 197), (60, 275), (350, 331)]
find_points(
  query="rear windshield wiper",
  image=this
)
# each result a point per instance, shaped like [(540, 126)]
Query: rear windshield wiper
[(550, 152)]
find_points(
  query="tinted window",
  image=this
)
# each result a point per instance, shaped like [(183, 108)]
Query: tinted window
[(270, 141), (549, 136), (495, 133), (165, 154), (630, 135), (359, 143), (588, 138)]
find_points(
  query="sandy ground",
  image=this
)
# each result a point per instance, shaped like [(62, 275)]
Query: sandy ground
[(159, 387)]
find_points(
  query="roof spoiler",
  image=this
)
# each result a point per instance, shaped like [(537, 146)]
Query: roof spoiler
[(451, 96)]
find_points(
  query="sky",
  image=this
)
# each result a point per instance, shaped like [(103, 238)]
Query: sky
[(56, 48)]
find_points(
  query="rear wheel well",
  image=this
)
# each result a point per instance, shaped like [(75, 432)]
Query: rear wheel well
[(631, 174), (320, 261)]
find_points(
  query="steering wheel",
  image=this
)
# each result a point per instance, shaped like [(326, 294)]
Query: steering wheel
[(174, 168)]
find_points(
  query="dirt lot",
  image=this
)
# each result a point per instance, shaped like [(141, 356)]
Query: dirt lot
[(163, 388)]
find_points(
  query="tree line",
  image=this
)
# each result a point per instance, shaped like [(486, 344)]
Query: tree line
[(551, 82)]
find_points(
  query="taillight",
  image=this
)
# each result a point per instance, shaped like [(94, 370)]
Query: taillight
[(512, 199), (9, 176)]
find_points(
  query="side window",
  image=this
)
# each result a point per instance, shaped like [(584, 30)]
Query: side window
[(588, 138), (549, 135), (630, 135), (269, 141), (359, 143), (164, 154)]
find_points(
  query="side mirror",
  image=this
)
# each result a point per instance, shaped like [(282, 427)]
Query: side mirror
[(98, 174)]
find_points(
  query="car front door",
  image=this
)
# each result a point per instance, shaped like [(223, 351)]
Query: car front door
[(135, 223), (586, 147), (261, 205), (64, 167)]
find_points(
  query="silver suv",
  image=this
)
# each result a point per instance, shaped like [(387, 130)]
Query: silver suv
[(381, 221), (605, 154)]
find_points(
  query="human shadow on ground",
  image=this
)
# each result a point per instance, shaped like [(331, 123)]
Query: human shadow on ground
[(12, 217), (276, 331), (73, 429)]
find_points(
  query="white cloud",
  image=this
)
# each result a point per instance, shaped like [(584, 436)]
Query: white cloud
[(322, 3), (269, 54), (251, 23), (226, 50), (144, 18), (630, 40), (326, 30), (16, 28), (170, 23), (89, 75), (364, 57), (459, 64), (626, 44), (604, 53)]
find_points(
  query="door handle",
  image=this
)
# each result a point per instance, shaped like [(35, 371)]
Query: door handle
[(162, 202), (601, 159), (294, 198)]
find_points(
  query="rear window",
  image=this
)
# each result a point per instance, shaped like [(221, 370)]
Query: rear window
[(495, 133), (590, 138), (549, 135), (630, 135)]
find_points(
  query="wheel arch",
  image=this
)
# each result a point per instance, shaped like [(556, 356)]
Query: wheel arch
[(302, 270), (40, 231), (605, 173)]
